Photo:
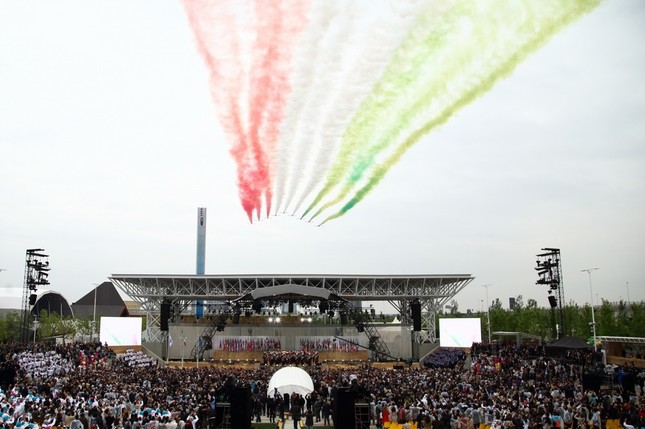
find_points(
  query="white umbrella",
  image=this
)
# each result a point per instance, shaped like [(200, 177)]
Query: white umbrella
[(290, 380)]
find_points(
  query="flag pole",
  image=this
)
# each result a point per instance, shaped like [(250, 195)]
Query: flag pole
[(199, 341), (183, 343)]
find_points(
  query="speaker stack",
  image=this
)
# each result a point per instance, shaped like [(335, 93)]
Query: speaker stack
[(415, 306), (165, 315)]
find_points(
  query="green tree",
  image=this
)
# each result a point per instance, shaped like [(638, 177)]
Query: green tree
[(53, 325), (580, 325), (45, 324), (84, 326), (611, 319), (454, 307), (622, 320), (11, 327), (570, 314), (637, 321), (606, 322), (519, 302), (500, 319)]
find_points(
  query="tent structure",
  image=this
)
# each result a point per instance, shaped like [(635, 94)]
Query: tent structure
[(561, 346), (290, 380), (569, 343)]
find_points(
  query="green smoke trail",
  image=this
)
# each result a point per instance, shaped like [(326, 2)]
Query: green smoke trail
[(429, 34), (436, 59), (556, 16)]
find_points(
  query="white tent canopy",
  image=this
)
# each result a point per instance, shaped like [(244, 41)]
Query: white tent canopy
[(290, 380)]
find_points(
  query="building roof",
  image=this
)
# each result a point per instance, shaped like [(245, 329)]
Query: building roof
[(352, 287), (12, 298), (132, 306), (103, 300)]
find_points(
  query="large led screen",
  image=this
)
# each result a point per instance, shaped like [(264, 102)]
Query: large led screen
[(459, 332), (121, 331)]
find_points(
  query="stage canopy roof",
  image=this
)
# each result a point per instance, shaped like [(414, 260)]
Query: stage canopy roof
[(146, 287)]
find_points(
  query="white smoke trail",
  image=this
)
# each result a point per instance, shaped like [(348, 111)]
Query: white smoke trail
[(321, 17), (401, 81), (478, 44), (337, 49), (378, 43)]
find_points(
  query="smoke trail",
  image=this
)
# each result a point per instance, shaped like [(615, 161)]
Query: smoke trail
[(324, 81), (458, 49), (297, 18), (378, 43), (219, 47), (263, 54), (276, 32), (543, 22), (252, 127), (428, 33), (307, 52)]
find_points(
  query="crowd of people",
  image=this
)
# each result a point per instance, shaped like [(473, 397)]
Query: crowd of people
[(497, 387), (250, 344), (285, 358), (444, 358), (330, 344), (133, 358)]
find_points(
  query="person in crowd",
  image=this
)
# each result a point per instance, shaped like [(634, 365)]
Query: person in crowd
[(499, 385), (296, 410), (326, 412), (309, 419)]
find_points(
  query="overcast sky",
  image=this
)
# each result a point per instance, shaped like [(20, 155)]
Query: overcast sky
[(109, 142)]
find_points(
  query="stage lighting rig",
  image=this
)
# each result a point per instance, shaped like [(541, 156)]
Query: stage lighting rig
[(549, 269), (36, 274)]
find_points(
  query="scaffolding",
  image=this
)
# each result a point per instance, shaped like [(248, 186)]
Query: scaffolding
[(549, 268), (36, 273)]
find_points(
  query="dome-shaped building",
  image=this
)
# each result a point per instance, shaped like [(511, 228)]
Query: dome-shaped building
[(49, 300)]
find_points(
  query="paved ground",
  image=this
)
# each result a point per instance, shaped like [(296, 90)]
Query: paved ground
[(289, 423)]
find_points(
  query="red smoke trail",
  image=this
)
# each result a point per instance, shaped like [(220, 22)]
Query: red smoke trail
[(254, 140), (278, 25), (212, 23), (264, 54)]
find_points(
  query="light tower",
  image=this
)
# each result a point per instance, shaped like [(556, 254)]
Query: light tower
[(36, 273), (549, 268), (487, 311), (593, 315)]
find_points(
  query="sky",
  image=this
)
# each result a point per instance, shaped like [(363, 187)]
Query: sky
[(109, 141)]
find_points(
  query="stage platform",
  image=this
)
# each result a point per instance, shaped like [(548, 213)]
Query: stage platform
[(119, 350), (323, 356), (246, 359)]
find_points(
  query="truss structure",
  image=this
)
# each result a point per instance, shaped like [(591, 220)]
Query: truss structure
[(625, 340), (364, 322), (36, 273), (549, 268), (433, 291)]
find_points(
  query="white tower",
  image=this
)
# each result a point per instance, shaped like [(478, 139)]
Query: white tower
[(201, 254)]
